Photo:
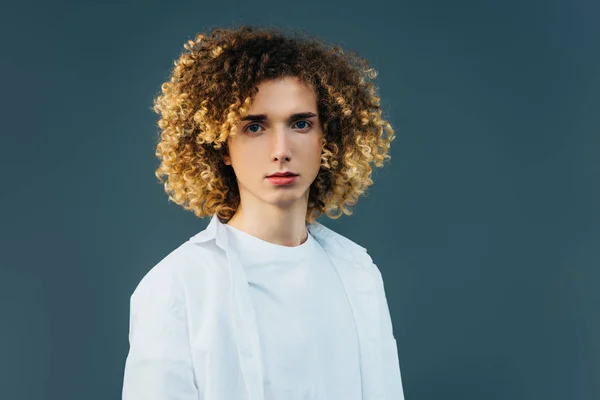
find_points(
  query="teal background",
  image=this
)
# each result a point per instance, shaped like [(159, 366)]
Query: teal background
[(485, 223)]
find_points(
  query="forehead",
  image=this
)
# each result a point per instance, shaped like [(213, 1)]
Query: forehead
[(283, 96)]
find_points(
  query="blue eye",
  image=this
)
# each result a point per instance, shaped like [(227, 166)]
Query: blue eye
[(248, 127), (307, 124)]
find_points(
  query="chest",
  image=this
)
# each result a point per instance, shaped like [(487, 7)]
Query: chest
[(225, 327)]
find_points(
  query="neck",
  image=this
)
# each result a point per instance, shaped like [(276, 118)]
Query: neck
[(285, 227)]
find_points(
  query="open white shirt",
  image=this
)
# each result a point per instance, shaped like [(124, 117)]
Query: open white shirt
[(229, 316)]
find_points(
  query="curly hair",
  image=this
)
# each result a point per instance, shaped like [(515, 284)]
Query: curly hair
[(211, 88)]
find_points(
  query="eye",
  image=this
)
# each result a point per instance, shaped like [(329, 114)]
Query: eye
[(305, 123), (249, 130)]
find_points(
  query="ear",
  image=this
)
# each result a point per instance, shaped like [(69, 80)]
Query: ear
[(224, 152)]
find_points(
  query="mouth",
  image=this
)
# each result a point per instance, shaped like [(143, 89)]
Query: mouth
[(282, 179), (281, 175)]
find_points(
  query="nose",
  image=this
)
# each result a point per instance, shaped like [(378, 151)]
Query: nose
[(281, 148)]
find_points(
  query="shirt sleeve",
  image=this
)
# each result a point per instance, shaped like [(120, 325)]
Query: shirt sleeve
[(159, 363), (391, 364)]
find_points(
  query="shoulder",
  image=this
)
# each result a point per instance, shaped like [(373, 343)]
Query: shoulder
[(340, 245), (166, 281)]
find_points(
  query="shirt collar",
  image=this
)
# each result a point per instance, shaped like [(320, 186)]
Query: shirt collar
[(331, 241)]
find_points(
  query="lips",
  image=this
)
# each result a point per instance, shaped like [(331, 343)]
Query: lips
[(281, 175), (282, 180)]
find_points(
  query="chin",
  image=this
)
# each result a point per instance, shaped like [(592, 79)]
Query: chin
[(286, 199)]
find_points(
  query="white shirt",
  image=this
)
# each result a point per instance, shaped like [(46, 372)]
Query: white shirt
[(196, 334), (307, 335)]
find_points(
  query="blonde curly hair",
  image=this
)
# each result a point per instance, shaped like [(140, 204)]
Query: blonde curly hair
[(211, 88)]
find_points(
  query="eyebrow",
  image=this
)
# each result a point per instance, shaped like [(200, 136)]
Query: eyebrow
[(264, 117)]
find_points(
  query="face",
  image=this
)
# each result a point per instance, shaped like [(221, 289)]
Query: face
[(281, 132)]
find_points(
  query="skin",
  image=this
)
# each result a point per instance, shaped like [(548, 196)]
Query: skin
[(269, 212)]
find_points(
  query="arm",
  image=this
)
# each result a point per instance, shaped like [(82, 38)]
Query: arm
[(159, 364), (391, 365)]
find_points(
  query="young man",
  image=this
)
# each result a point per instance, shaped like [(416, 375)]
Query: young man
[(265, 132)]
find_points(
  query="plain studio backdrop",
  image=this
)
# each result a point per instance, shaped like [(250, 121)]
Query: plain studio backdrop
[(485, 222)]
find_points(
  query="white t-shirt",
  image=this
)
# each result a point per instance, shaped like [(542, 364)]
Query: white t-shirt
[(306, 329)]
